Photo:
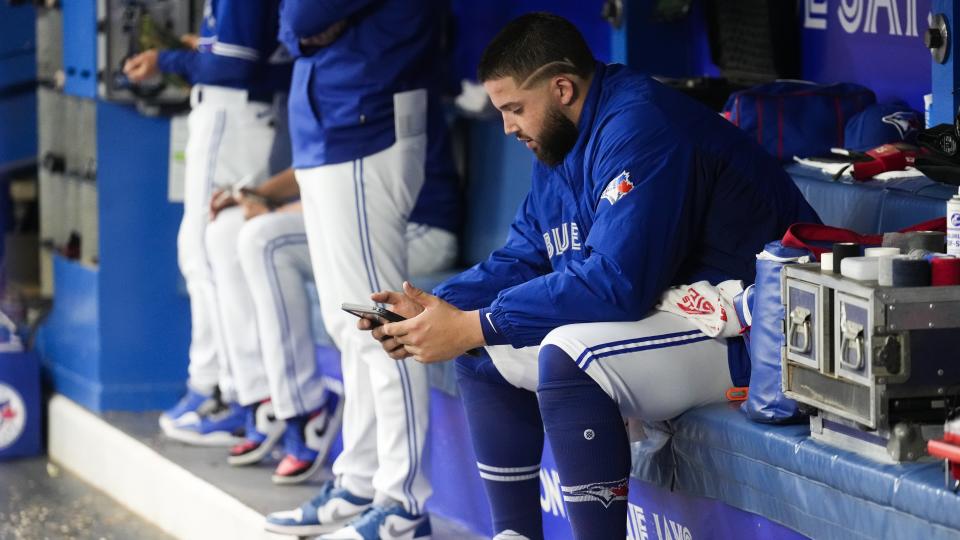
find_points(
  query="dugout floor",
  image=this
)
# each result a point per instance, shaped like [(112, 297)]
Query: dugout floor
[(189, 492)]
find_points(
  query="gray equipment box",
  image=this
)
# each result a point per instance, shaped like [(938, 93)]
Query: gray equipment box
[(881, 364)]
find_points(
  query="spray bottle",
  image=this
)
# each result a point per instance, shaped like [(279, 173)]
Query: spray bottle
[(953, 225)]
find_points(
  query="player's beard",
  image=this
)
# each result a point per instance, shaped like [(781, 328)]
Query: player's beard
[(557, 138)]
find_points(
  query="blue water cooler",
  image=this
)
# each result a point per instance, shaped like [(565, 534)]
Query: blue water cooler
[(21, 413)]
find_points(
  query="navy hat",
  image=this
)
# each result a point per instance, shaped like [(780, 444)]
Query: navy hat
[(882, 123)]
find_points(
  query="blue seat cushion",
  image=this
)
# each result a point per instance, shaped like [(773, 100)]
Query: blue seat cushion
[(820, 491)]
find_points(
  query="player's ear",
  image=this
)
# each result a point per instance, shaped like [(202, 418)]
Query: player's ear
[(564, 90)]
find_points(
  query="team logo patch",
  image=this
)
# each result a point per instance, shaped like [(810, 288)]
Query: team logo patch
[(905, 122), (602, 492), (618, 187), (13, 416)]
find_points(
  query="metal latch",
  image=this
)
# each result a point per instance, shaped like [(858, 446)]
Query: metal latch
[(799, 327), (852, 336)]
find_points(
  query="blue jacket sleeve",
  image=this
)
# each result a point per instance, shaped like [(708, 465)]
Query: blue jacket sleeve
[(307, 18), (178, 62), (235, 55), (522, 258), (206, 68), (634, 248)]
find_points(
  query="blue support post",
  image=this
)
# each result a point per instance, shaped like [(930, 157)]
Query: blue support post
[(144, 320), (945, 78)]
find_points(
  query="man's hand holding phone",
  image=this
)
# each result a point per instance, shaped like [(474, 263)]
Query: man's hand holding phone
[(433, 331)]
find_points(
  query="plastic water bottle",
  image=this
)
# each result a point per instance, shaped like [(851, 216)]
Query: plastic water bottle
[(953, 225)]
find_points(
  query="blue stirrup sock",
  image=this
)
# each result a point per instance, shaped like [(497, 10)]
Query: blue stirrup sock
[(507, 436), (590, 445)]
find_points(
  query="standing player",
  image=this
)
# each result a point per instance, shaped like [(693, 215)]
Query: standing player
[(231, 131), (370, 157), (636, 188)]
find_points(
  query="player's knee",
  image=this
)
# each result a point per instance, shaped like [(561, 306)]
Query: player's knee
[(478, 373), (557, 368), (253, 238), (220, 237)]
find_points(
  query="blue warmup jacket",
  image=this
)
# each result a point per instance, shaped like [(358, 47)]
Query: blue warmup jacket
[(238, 49), (657, 191), (341, 95)]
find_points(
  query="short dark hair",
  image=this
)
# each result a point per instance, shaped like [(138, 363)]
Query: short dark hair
[(533, 41)]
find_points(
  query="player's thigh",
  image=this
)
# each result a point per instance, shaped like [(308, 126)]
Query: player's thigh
[(655, 368), (519, 367), (429, 249)]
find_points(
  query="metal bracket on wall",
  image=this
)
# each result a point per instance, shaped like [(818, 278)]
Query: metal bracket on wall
[(937, 38)]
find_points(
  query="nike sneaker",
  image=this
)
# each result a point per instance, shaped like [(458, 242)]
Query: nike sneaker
[(213, 423), (192, 401), (330, 510), (384, 523), (307, 441), (263, 431)]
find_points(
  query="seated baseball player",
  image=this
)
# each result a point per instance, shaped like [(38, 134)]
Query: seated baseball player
[(258, 255), (638, 194)]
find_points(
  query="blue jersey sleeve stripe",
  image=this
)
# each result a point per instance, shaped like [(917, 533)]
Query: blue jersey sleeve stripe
[(235, 51)]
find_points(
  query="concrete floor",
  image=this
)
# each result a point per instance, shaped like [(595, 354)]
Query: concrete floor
[(250, 485), (40, 501)]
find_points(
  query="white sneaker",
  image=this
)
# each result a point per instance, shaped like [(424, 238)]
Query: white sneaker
[(385, 523), (330, 510), (509, 534)]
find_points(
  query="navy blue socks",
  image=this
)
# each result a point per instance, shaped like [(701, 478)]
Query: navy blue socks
[(507, 436), (590, 445)]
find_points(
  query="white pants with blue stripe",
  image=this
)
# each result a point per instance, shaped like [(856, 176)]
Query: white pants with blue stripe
[(260, 267), (655, 368), (356, 214), (229, 139)]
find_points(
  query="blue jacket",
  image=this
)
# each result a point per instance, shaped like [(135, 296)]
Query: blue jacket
[(657, 191), (238, 49), (341, 95)]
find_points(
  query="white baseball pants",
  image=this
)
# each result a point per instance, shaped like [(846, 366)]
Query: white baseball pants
[(230, 139), (356, 214), (655, 368), (260, 268)]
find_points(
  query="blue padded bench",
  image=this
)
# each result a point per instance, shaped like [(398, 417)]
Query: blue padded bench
[(780, 473)]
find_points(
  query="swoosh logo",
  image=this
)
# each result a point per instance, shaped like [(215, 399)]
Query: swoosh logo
[(339, 516), (489, 320), (397, 533)]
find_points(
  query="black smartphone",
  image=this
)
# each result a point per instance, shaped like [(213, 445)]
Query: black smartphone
[(377, 315)]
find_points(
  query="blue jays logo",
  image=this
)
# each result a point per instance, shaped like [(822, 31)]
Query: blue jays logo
[(12, 416), (906, 122), (6, 411), (618, 187), (602, 492)]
